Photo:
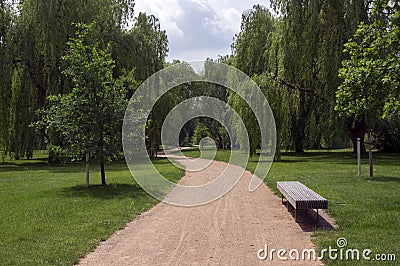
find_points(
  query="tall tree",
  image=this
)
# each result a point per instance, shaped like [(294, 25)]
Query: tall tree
[(249, 48), (90, 117), (300, 44), (313, 33), (149, 44), (370, 77), (40, 32), (6, 19)]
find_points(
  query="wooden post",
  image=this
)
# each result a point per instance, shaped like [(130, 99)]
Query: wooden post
[(359, 155), (87, 168), (371, 166)]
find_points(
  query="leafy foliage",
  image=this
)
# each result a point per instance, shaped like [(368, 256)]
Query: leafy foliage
[(370, 77), (90, 117), (257, 25), (200, 132), (295, 58), (34, 36), (250, 56), (386, 133), (6, 18)]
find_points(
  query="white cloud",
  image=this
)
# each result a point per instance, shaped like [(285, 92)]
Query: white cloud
[(165, 11), (197, 29), (226, 22)]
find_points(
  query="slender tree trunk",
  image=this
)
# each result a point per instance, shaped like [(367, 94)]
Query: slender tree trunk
[(371, 165), (87, 168), (359, 156), (300, 125), (102, 156), (103, 172), (278, 154)]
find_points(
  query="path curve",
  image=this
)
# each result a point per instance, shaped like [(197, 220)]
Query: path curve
[(228, 231)]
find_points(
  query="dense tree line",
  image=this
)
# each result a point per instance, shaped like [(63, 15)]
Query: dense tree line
[(34, 36), (295, 56)]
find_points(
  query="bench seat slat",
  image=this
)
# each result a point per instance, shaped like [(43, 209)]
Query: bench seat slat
[(301, 197)]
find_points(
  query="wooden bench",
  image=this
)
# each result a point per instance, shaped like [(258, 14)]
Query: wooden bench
[(301, 197)]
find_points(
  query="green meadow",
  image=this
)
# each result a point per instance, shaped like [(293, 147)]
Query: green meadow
[(48, 217), (366, 210)]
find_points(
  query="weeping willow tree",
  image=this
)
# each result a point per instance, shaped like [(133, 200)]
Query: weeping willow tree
[(313, 36), (248, 49), (257, 52), (35, 43), (257, 26), (149, 48), (6, 19), (295, 57), (300, 44)]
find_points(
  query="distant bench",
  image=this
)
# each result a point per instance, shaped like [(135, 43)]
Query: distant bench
[(301, 197)]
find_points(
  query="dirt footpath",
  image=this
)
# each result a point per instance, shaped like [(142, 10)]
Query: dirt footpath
[(229, 231)]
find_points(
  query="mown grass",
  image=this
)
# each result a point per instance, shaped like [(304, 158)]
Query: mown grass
[(367, 210), (48, 217)]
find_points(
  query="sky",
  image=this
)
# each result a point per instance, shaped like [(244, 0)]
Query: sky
[(198, 29)]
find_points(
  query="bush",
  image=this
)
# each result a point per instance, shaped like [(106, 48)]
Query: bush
[(387, 134)]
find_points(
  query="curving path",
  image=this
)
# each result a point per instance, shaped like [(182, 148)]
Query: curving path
[(229, 231)]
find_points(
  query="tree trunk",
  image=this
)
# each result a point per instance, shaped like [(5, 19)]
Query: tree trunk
[(354, 137), (357, 129), (299, 125), (371, 165), (103, 172), (87, 168), (102, 155)]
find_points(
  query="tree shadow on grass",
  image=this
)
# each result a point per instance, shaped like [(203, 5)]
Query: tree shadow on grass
[(160, 160), (384, 179), (340, 158), (290, 161), (107, 192), (43, 166), (66, 168), (15, 165)]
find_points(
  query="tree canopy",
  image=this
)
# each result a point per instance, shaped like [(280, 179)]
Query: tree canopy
[(370, 77), (295, 56), (326, 67), (89, 117), (34, 37)]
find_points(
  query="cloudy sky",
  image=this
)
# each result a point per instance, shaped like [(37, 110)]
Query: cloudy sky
[(198, 29)]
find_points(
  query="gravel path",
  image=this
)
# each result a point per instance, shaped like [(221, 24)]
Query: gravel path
[(229, 231)]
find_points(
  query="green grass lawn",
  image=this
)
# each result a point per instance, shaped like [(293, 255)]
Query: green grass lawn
[(48, 217), (366, 209)]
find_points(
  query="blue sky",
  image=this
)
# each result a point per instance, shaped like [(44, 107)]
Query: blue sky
[(198, 29)]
